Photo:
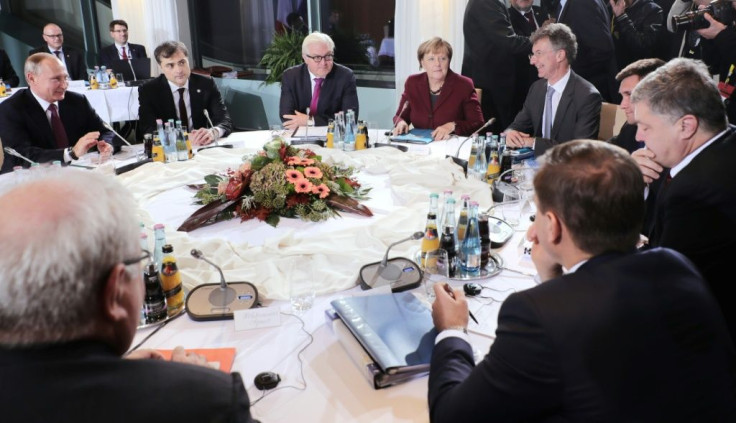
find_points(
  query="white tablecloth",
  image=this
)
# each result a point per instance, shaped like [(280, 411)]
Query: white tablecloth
[(118, 105), (335, 390)]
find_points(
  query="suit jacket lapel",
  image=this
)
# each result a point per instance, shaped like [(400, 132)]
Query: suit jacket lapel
[(564, 104), (37, 116), (197, 102), (540, 93), (167, 97)]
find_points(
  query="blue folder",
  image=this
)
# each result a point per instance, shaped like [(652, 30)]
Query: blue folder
[(395, 329), (415, 136)]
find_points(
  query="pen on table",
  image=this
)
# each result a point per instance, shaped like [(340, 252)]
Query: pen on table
[(452, 294)]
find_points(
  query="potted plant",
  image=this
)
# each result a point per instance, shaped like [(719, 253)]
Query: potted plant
[(284, 52)]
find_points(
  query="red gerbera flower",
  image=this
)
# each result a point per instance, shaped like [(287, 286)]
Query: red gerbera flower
[(312, 172), (303, 186), (293, 175), (322, 190)]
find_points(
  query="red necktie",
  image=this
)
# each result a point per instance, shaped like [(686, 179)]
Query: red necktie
[(58, 128), (530, 18), (125, 55), (315, 96), (183, 109)]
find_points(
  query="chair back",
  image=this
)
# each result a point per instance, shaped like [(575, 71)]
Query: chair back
[(612, 118)]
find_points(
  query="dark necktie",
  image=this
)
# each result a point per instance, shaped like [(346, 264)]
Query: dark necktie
[(58, 53), (183, 109), (58, 128), (530, 18), (315, 96), (125, 54)]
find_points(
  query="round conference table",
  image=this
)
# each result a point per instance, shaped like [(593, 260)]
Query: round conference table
[(319, 383)]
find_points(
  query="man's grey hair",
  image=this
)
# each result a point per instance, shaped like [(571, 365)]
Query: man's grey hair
[(683, 87), (62, 233), (317, 37), (34, 61), (560, 36)]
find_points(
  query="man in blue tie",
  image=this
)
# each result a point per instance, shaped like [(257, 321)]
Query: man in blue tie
[(561, 106), (319, 84)]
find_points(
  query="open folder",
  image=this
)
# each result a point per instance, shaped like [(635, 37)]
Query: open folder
[(389, 337), (414, 136)]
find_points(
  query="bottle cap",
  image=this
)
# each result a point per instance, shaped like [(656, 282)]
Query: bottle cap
[(167, 248), (158, 226)]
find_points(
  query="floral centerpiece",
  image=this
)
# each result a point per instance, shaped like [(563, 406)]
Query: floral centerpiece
[(279, 181)]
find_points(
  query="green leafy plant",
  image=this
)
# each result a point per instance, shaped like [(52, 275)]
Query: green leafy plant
[(284, 52)]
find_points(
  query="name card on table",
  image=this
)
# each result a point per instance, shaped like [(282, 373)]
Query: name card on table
[(256, 318)]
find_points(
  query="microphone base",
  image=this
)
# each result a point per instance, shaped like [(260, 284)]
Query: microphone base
[(209, 302), (215, 146), (400, 273)]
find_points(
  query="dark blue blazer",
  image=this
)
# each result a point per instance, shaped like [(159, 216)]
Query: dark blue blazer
[(24, 126), (7, 73), (626, 338), (75, 64), (155, 101), (338, 93), (696, 215), (110, 53)]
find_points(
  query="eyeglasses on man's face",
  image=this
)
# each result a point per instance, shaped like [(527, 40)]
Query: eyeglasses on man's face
[(540, 53), (318, 59), (54, 35), (145, 255)]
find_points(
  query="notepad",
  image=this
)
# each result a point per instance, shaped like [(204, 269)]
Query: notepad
[(415, 136), (217, 358)]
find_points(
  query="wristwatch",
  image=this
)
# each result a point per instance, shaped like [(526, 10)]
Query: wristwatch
[(71, 153)]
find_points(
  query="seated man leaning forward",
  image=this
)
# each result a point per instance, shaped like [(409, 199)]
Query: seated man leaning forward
[(181, 95), (70, 301), (319, 85), (438, 99), (46, 122), (610, 335), (560, 106)]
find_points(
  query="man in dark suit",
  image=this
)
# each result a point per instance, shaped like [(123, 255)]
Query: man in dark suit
[(610, 335), (637, 26), (525, 19), (121, 49), (561, 106), (591, 23), (180, 95), (695, 203), (7, 73), (72, 293), (491, 48), (628, 78), (72, 59), (319, 84), (46, 122)]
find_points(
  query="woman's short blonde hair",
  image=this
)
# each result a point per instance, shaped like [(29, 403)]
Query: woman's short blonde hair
[(434, 45)]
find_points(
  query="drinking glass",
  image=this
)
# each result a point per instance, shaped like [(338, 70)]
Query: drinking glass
[(436, 270), (119, 77), (301, 285)]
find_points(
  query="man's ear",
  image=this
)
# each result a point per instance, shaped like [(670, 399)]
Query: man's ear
[(688, 126), (553, 227), (113, 294)]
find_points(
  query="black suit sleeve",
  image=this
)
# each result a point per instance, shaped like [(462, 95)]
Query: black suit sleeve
[(518, 380), (79, 68), (348, 99), (146, 113), (289, 101), (640, 43), (7, 73), (217, 110), (487, 27)]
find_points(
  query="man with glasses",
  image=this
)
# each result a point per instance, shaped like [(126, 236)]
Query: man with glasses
[(561, 106), (121, 49), (46, 122), (71, 58), (181, 95), (70, 303), (318, 85)]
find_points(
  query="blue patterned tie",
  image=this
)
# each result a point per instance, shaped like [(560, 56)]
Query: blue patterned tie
[(548, 113)]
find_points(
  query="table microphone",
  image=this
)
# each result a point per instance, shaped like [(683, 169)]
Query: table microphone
[(217, 142), (218, 301), (485, 125), (399, 272), (109, 128), (12, 152)]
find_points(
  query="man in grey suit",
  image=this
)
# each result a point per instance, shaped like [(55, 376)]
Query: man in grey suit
[(561, 106)]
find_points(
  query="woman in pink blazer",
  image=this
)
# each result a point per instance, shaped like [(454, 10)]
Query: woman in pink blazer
[(438, 98)]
